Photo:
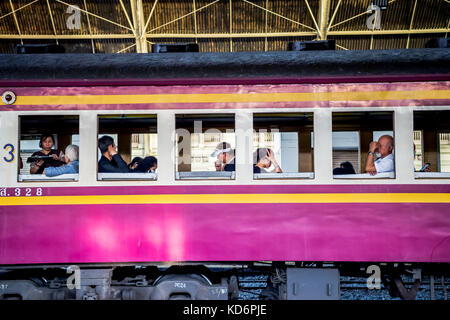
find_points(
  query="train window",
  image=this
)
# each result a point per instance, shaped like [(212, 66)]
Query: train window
[(205, 146), (282, 146), (127, 147), (363, 145), (47, 150), (432, 144)]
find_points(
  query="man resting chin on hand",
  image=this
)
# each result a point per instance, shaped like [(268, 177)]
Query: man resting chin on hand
[(385, 162)]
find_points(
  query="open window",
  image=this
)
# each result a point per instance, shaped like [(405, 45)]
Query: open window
[(432, 144), (48, 150), (283, 146), (127, 147), (205, 146), (353, 133)]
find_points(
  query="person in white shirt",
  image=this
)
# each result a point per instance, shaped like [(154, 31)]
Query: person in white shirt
[(383, 148)]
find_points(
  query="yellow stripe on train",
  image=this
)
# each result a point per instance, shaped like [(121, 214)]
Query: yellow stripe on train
[(230, 198), (233, 97)]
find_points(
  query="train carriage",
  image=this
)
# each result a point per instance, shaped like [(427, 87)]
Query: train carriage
[(314, 109)]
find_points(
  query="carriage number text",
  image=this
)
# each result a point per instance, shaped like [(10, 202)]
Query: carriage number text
[(20, 192)]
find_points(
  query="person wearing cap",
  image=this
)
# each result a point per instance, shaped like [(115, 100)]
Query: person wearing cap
[(225, 154)]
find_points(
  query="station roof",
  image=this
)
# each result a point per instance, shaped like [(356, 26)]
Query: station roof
[(131, 26)]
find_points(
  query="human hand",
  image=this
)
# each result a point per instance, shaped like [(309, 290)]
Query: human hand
[(373, 146), (55, 157), (270, 155), (40, 163)]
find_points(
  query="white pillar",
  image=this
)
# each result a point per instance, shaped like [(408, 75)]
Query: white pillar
[(88, 148), (404, 141), (244, 147), (323, 146), (9, 128), (166, 147)]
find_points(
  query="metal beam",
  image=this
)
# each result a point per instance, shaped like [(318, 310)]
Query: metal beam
[(195, 20), (126, 14), (334, 15), (266, 27), (15, 20), (18, 9), (94, 15), (386, 32), (411, 23), (184, 16), (314, 20), (89, 27), (150, 15), (125, 49), (231, 25), (51, 18), (139, 25), (279, 15), (354, 17), (67, 36), (222, 35), (324, 14), (228, 35)]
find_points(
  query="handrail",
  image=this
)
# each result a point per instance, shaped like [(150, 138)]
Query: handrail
[(431, 175), (42, 177), (104, 176), (382, 175), (284, 175), (206, 175)]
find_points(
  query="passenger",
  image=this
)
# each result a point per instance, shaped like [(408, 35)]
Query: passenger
[(134, 163), (383, 149), (426, 167), (71, 160), (344, 168), (263, 159), (46, 142), (110, 161), (148, 164), (225, 155)]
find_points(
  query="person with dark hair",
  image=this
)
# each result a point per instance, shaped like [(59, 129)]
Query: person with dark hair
[(47, 157), (148, 164), (263, 159), (110, 161), (225, 154), (345, 167), (134, 163)]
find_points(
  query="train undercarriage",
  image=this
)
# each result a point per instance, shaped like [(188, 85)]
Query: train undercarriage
[(240, 281)]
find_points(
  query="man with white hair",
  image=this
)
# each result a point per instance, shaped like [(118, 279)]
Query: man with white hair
[(383, 149), (71, 160)]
